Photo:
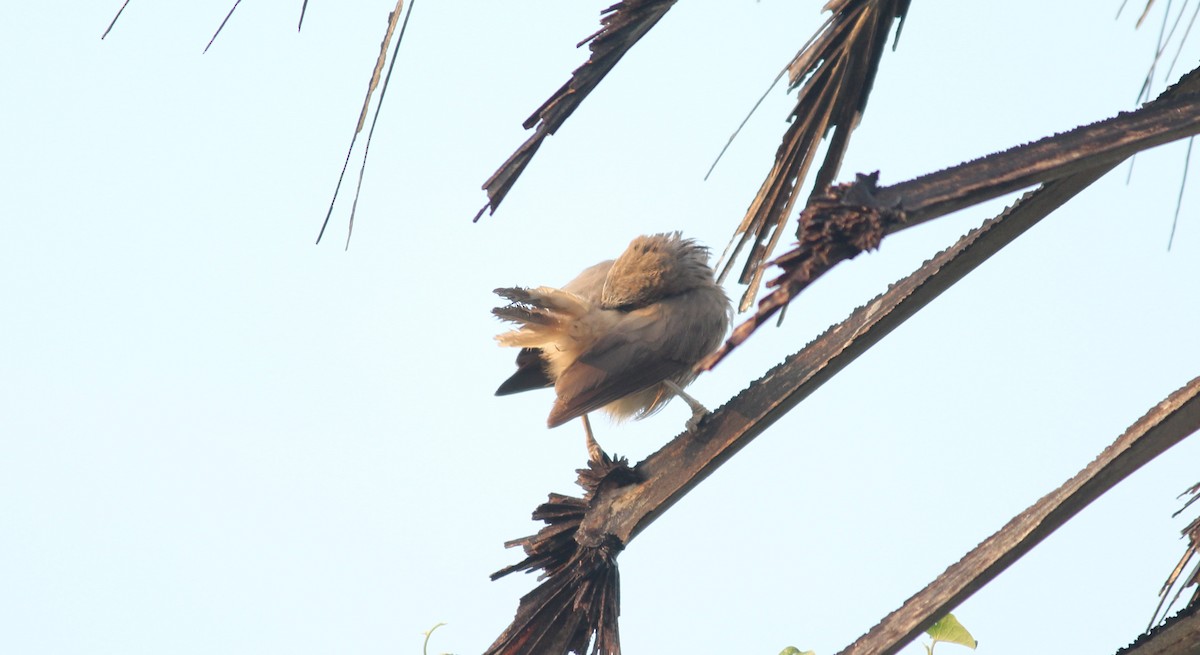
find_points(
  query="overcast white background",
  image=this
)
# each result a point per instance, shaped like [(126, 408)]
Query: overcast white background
[(217, 437)]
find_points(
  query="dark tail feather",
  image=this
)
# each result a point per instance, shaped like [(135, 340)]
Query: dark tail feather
[(531, 374)]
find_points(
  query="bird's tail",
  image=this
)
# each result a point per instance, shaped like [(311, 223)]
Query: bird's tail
[(544, 316)]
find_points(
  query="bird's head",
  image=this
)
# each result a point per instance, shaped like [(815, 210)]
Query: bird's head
[(655, 267)]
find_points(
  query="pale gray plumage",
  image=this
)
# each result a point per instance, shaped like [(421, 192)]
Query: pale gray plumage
[(612, 336)]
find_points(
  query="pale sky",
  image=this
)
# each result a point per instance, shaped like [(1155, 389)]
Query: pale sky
[(217, 437)]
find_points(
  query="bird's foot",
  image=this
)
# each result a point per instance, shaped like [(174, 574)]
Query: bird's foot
[(698, 411), (595, 452), (698, 416)]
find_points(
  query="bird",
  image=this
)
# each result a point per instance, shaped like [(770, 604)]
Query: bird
[(623, 336)]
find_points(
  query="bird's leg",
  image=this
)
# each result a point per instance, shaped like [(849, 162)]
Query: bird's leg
[(595, 452), (698, 411)]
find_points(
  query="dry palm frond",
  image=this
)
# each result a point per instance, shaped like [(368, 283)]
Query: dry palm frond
[(579, 596), (222, 25), (114, 20), (834, 72), (1166, 33), (847, 219), (669, 473), (578, 547), (622, 25), (1192, 534), (303, 8), (362, 115)]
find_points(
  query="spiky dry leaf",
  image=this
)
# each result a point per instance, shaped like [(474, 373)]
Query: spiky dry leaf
[(1192, 534), (622, 25), (579, 595), (834, 73)]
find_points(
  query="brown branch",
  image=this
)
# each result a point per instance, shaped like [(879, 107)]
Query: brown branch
[(1163, 426), (834, 71), (688, 459), (622, 25), (577, 549), (1104, 143), (845, 220), (1177, 636)]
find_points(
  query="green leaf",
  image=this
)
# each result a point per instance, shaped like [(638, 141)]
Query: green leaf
[(949, 630), (792, 650)]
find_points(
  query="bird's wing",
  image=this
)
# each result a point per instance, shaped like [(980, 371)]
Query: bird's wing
[(640, 351)]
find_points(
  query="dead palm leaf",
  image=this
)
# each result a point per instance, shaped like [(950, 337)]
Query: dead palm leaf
[(622, 25)]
